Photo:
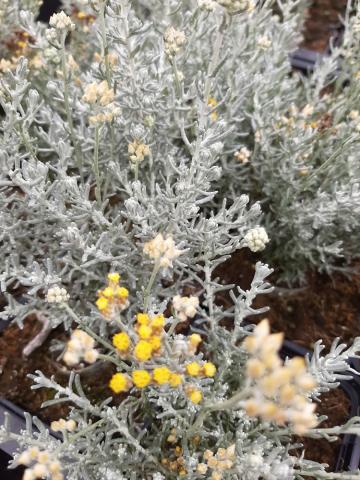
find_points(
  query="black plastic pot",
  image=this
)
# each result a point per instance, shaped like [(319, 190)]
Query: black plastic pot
[(349, 454)]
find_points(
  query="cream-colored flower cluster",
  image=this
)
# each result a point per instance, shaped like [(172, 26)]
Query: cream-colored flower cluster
[(162, 249), (207, 5), (243, 155), (185, 307), (61, 21), (41, 464), (280, 391), (237, 5), (264, 42), (57, 295), (174, 40), (219, 462), (138, 151), (63, 425), (80, 347), (101, 97), (256, 239)]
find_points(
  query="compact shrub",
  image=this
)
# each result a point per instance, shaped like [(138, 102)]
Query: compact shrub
[(128, 130)]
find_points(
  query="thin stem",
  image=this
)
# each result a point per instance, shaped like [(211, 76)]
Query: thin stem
[(96, 166), (150, 284), (67, 107)]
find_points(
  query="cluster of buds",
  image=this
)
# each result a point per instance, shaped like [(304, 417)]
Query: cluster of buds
[(138, 151), (176, 462), (220, 462), (207, 5), (264, 42), (41, 464), (162, 250), (101, 97), (63, 425), (80, 347), (57, 295), (185, 307), (174, 40), (280, 392), (242, 155), (256, 239), (60, 21), (113, 299), (237, 5)]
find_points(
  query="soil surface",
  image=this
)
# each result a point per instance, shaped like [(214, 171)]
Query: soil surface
[(323, 22)]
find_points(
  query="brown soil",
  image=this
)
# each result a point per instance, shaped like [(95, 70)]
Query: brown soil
[(16, 386), (323, 21)]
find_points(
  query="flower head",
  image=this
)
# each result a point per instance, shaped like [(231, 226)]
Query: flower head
[(113, 299), (162, 249), (256, 239), (120, 383), (174, 40), (57, 295), (61, 21), (185, 307), (80, 347), (280, 392)]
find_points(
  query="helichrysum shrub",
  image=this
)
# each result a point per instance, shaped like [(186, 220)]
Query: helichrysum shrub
[(121, 123)]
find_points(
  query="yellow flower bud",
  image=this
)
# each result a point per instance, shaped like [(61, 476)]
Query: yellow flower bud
[(121, 341), (119, 383), (161, 375), (141, 378), (193, 369), (143, 351)]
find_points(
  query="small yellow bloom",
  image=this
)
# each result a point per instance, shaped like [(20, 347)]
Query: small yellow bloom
[(141, 378), (155, 342), (119, 383), (158, 322), (193, 369), (121, 341), (108, 292), (195, 396), (209, 369), (195, 339), (102, 303), (114, 277), (143, 318), (161, 375), (122, 292), (175, 380), (144, 332), (143, 350)]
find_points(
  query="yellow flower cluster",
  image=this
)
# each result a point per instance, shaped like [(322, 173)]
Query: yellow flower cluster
[(220, 462), (113, 299), (280, 391), (149, 332)]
